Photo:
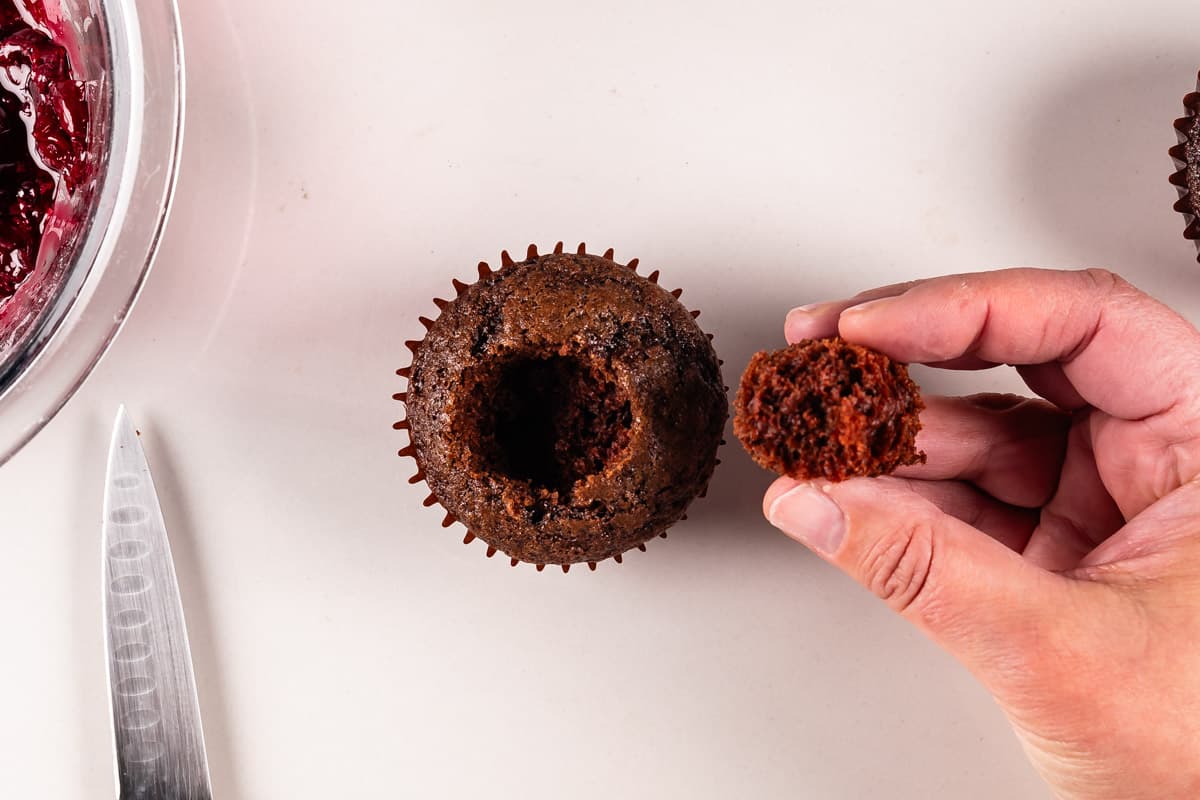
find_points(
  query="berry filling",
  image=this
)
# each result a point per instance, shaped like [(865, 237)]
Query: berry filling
[(43, 136)]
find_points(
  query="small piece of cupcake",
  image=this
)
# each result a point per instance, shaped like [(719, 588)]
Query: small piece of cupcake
[(564, 408), (827, 409), (1186, 155)]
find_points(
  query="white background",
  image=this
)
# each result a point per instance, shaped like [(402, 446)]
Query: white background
[(341, 169)]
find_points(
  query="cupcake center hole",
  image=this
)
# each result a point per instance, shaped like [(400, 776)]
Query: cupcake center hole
[(555, 420)]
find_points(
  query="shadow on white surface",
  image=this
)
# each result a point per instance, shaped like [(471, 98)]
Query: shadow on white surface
[(94, 728), (200, 265), (1091, 160)]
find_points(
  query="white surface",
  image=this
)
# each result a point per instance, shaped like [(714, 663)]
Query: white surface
[(338, 175)]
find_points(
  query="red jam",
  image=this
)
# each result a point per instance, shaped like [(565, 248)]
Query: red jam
[(43, 136)]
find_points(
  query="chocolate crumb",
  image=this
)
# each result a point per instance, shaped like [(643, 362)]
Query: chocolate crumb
[(828, 409)]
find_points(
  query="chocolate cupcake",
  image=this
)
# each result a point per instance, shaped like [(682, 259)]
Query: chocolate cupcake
[(564, 408), (828, 409), (1186, 155)]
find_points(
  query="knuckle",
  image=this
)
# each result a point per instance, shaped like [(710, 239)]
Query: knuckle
[(1104, 281), (896, 568), (1109, 287), (1086, 303)]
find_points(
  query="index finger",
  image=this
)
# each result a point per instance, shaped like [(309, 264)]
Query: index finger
[(1122, 351)]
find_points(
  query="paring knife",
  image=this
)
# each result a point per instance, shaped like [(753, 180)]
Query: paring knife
[(158, 740)]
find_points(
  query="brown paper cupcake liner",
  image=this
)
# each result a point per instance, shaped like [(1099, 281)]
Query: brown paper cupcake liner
[(1184, 178), (414, 345)]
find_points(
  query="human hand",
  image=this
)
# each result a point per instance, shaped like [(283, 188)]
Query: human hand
[(1052, 547)]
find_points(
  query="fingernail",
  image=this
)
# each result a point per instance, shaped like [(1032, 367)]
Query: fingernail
[(868, 306), (800, 315), (809, 515), (801, 319)]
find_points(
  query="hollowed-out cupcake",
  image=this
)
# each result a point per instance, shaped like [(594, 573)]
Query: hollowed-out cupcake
[(563, 408), (1187, 158)]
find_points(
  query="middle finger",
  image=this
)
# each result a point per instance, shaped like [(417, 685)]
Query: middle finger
[(1010, 447)]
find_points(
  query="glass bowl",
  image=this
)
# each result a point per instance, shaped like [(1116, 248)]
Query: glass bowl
[(54, 330)]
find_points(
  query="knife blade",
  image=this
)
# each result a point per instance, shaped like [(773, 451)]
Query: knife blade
[(157, 735)]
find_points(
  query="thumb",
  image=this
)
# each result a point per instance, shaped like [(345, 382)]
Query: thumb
[(974, 596)]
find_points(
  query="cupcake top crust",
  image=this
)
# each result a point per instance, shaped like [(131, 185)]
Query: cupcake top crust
[(565, 409), (828, 409), (1186, 155)]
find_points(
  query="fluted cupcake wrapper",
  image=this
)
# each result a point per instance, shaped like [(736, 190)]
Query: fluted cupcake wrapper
[(1189, 135), (414, 345)]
